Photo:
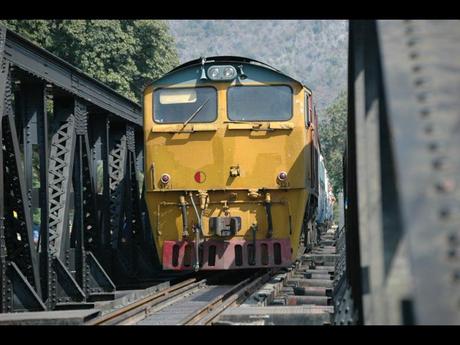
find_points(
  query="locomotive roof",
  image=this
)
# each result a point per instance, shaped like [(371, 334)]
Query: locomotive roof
[(229, 59)]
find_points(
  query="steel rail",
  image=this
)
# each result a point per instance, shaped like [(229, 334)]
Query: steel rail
[(212, 304), (143, 305), (208, 313)]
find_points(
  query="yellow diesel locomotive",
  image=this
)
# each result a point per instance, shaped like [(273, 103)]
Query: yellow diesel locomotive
[(231, 157)]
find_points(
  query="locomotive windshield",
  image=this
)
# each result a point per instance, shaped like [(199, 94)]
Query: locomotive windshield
[(183, 105), (260, 103)]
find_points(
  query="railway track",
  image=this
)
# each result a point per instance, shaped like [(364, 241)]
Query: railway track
[(308, 293), (188, 302)]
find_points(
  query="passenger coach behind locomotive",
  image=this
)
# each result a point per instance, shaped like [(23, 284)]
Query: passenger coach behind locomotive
[(229, 149), (324, 216)]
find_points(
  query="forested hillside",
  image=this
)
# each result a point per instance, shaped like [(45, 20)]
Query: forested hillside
[(313, 51)]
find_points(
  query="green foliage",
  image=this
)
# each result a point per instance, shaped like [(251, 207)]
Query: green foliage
[(123, 54), (39, 31), (333, 131), (36, 216), (336, 210)]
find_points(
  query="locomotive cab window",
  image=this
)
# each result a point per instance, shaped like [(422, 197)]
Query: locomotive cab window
[(181, 105), (259, 103)]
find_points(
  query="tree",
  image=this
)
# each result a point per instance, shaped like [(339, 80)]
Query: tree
[(123, 54), (333, 131)]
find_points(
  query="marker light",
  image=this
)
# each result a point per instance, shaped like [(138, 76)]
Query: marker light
[(213, 73), (224, 72), (165, 178), (229, 73), (282, 176)]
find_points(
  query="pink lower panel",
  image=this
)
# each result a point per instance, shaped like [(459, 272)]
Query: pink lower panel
[(269, 253)]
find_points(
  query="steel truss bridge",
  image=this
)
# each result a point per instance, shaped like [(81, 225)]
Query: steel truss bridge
[(87, 141)]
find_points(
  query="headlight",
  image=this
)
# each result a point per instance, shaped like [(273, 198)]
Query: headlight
[(213, 73), (221, 72), (229, 73)]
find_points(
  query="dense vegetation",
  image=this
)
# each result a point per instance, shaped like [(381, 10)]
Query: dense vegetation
[(124, 54), (332, 133)]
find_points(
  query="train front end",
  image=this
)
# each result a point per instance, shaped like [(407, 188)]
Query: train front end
[(227, 165)]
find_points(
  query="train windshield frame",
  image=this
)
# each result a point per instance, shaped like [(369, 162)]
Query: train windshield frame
[(178, 105), (260, 103)]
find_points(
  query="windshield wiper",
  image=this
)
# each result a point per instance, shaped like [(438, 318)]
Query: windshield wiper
[(241, 121), (195, 113), (257, 123)]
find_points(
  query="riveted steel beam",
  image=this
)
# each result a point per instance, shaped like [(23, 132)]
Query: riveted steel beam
[(121, 146), (403, 171), (20, 280), (30, 104), (117, 173), (421, 83), (90, 275), (60, 175), (3, 253)]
